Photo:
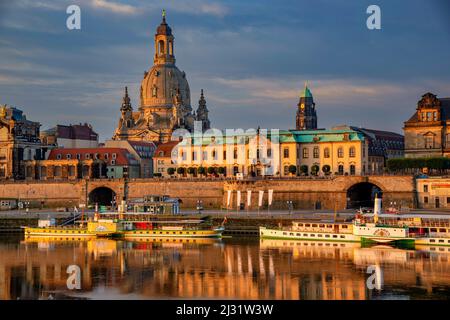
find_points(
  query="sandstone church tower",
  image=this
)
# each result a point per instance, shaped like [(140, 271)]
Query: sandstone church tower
[(165, 102), (306, 113)]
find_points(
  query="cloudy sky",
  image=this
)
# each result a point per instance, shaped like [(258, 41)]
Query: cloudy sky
[(251, 57)]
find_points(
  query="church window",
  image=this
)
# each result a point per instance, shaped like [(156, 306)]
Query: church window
[(326, 152), (352, 152), (171, 48), (340, 152), (435, 116), (305, 153), (286, 153), (154, 91), (429, 116), (316, 152)]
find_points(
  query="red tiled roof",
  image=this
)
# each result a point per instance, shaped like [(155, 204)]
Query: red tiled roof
[(165, 149), (122, 156)]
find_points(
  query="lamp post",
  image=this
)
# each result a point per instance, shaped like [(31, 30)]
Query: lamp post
[(290, 206)]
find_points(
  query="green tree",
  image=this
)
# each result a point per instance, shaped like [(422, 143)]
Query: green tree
[(201, 170), (292, 169), (326, 169), (222, 170), (180, 170), (171, 171), (211, 170), (314, 169), (191, 170), (304, 169)]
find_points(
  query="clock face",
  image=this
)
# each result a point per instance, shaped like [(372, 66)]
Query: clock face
[(302, 106)]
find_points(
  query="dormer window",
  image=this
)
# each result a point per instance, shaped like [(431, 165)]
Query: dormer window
[(58, 156), (69, 156)]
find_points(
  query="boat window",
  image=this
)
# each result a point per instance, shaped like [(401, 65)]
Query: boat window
[(433, 230), (313, 235), (298, 234), (441, 241), (342, 237), (442, 230), (344, 226), (334, 236), (307, 225), (300, 224), (291, 234), (305, 234), (432, 240), (327, 236), (314, 225), (329, 226), (321, 225), (284, 233), (319, 235)]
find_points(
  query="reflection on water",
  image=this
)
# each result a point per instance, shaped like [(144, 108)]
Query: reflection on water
[(218, 269)]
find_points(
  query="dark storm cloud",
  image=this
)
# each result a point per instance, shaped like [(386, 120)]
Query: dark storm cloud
[(251, 57)]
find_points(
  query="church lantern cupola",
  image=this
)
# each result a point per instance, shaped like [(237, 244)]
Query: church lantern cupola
[(164, 48)]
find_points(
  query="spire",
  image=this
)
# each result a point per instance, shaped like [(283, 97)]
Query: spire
[(306, 93), (202, 112), (126, 102), (202, 103)]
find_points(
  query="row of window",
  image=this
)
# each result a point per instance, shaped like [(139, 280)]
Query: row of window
[(87, 156), (326, 152)]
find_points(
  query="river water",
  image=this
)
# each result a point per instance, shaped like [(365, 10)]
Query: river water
[(231, 268)]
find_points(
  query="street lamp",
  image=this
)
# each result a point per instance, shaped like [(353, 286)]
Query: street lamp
[(290, 206)]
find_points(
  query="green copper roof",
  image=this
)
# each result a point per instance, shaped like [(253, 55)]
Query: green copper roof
[(306, 93), (315, 136)]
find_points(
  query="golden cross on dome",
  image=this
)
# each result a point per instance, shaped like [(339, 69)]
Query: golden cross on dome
[(164, 13)]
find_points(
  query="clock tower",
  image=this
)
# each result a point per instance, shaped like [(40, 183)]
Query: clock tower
[(306, 113)]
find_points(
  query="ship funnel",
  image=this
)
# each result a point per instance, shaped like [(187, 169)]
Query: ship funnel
[(376, 208)]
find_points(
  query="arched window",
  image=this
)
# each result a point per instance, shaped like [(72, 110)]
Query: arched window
[(340, 152), (161, 46), (341, 169), (326, 152), (352, 152), (352, 169), (171, 48)]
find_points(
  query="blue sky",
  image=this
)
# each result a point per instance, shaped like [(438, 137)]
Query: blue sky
[(251, 58)]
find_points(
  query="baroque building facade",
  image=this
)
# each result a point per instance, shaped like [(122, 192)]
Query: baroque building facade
[(427, 132), (19, 141), (165, 98)]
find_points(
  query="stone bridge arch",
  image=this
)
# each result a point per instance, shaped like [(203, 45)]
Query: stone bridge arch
[(103, 192)]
